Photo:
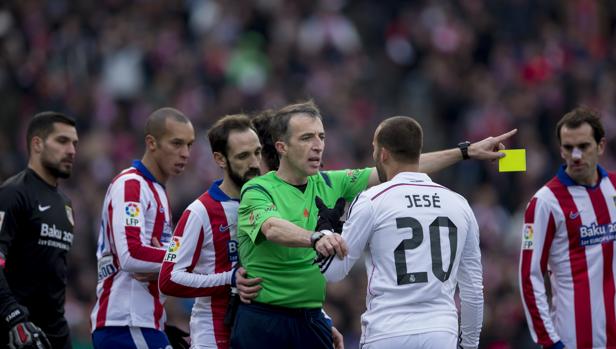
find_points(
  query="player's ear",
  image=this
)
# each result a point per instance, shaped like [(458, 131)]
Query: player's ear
[(601, 146), (281, 147), (150, 142), (384, 154), (36, 144), (220, 160)]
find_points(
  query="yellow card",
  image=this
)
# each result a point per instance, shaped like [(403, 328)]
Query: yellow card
[(514, 161)]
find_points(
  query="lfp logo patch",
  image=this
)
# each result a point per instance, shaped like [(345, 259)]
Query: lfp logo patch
[(527, 239), (132, 212), (132, 209), (174, 246)]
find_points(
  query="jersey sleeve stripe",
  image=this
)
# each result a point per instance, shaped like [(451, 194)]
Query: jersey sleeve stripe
[(528, 292), (158, 307), (220, 238), (157, 230), (132, 190), (197, 253), (579, 265), (140, 252), (256, 187), (603, 218), (170, 285), (529, 215), (103, 302)]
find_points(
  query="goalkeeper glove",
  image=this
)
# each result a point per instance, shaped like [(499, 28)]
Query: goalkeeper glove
[(26, 335)]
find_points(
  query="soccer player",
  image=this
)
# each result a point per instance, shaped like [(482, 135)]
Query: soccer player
[(422, 240), (135, 231), (36, 233), (202, 255), (278, 211), (569, 232)]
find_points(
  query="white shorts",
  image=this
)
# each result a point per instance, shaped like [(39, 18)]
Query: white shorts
[(427, 340)]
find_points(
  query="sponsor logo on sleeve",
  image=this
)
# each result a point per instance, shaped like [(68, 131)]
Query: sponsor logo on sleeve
[(174, 247), (69, 214), (251, 218), (527, 239), (232, 250), (132, 214), (353, 174)]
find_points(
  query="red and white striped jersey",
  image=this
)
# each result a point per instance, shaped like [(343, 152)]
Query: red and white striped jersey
[(135, 211), (569, 233), (421, 241), (199, 263)]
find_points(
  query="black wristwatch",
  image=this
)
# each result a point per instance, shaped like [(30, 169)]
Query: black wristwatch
[(314, 238), (464, 149)]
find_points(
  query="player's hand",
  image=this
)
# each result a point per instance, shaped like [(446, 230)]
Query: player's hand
[(338, 338), (329, 218), (176, 337), (26, 335), (145, 277), (248, 287), (489, 148), (155, 242), (332, 244)]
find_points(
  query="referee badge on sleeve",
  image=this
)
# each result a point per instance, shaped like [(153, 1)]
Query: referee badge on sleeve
[(69, 215), (527, 239)]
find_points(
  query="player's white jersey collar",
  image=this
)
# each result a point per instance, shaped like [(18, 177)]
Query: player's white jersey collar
[(411, 177)]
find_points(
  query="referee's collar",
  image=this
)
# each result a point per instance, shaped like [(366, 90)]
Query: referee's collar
[(217, 194), (564, 178), (144, 171), (412, 176)]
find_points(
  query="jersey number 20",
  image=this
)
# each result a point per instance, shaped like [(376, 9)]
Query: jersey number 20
[(405, 277)]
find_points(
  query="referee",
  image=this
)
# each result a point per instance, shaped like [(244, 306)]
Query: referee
[(36, 233)]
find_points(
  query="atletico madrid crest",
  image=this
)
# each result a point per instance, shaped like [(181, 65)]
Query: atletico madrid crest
[(69, 214)]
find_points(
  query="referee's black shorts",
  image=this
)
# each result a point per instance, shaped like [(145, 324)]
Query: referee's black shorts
[(264, 326)]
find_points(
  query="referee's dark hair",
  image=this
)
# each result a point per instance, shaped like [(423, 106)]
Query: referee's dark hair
[(41, 125), (402, 137), (218, 134), (579, 116), (269, 154), (279, 123)]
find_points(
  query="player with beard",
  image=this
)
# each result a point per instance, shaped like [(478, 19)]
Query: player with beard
[(36, 233), (201, 260), (277, 222)]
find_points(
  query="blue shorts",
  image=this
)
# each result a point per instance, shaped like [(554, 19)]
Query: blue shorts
[(263, 326), (124, 337)]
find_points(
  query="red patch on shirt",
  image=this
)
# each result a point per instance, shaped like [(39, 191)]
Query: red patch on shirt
[(306, 213)]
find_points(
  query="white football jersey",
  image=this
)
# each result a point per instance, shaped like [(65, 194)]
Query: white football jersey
[(135, 211), (421, 241)]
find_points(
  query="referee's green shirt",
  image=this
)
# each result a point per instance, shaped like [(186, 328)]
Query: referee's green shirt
[(290, 278)]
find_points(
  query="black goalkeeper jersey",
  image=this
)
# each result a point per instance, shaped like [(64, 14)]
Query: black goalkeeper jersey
[(36, 233)]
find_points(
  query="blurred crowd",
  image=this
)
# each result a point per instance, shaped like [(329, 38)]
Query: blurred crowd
[(466, 69)]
